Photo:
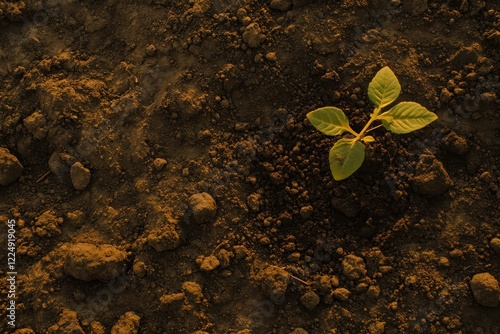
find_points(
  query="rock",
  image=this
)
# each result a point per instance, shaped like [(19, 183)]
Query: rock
[(127, 324), (60, 164), (373, 292), (164, 236), (353, 267), (274, 282), (495, 245), (80, 176), (252, 35), (193, 292), (36, 125), (203, 206), (68, 323), (150, 50), (209, 263), (10, 167), (310, 300), (306, 211), (281, 5), (342, 294), (485, 289), (299, 331), (89, 262), (431, 178), (159, 164)]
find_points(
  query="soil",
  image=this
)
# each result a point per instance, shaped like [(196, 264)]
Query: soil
[(156, 159)]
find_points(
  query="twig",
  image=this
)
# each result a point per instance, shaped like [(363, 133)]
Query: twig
[(43, 177)]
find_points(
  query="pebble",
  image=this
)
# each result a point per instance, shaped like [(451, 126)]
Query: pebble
[(310, 300), (159, 164), (150, 50), (80, 176), (495, 245), (485, 289), (209, 263), (203, 207), (373, 292), (353, 267), (127, 323), (10, 167), (252, 35), (342, 294), (88, 262), (299, 330), (306, 211), (271, 56), (274, 282)]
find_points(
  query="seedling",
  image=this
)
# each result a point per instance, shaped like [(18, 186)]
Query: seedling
[(347, 154)]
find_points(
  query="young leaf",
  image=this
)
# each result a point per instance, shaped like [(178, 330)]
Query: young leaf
[(368, 139), (384, 88), (346, 156), (329, 120), (406, 117)]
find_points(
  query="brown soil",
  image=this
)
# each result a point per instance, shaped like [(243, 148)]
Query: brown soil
[(118, 112)]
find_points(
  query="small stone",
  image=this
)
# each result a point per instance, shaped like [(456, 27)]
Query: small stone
[(271, 56), (241, 13), (495, 245), (342, 294), (488, 97), (353, 267), (485, 289), (89, 262), (139, 269), (299, 331), (252, 35), (209, 263), (127, 323), (310, 300), (373, 292), (265, 241), (281, 5), (159, 164), (203, 206), (306, 211), (80, 176), (240, 252), (150, 50), (274, 282), (445, 95), (10, 167)]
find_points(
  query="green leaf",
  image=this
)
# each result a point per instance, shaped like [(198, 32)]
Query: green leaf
[(384, 88), (346, 156), (406, 117), (368, 139), (329, 120)]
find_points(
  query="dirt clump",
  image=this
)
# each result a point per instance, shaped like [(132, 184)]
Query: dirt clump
[(10, 167), (485, 289)]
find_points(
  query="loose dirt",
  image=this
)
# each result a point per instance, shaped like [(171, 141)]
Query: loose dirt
[(163, 178)]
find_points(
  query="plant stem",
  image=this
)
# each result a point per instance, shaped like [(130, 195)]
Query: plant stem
[(367, 125), (374, 128)]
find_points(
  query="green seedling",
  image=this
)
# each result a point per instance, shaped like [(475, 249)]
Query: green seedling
[(347, 154)]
